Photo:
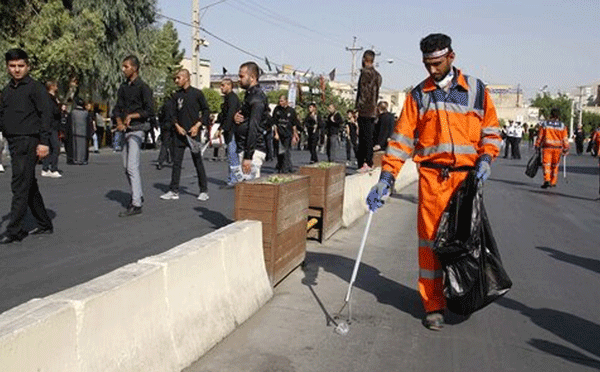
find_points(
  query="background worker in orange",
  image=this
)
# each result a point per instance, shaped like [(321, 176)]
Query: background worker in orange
[(449, 126), (553, 138)]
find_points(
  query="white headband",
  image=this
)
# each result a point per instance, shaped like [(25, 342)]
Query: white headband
[(436, 54)]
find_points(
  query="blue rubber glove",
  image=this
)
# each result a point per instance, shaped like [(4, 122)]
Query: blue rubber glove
[(484, 170), (381, 189)]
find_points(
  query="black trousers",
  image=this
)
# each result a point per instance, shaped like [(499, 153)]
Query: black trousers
[(333, 143), (50, 162), (313, 141), (510, 142), (24, 185), (516, 148), (365, 141), (351, 144), (166, 147), (178, 152), (284, 155)]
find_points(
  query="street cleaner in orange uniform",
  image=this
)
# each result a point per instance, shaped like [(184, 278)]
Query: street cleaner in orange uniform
[(449, 127), (553, 138)]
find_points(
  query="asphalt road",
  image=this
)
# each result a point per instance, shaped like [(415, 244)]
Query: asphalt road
[(89, 238), (549, 321)]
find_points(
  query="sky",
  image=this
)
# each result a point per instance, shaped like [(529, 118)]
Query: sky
[(531, 43)]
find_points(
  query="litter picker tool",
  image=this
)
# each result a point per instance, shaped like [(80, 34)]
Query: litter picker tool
[(565, 168), (342, 328)]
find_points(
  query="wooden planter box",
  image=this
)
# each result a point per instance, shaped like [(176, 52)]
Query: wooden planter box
[(326, 197), (283, 210), (377, 156)]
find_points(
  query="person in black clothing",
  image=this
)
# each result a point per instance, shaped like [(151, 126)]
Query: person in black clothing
[(579, 137), (351, 129), (132, 112), (165, 119), (188, 102), (285, 124), (386, 122), (313, 124), (231, 105), (50, 162), (253, 121), (367, 95), (25, 120), (333, 124)]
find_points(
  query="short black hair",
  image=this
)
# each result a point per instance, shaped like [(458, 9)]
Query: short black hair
[(434, 42), (133, 60), (78, 101), (252, 68), (554, 113), (16, 54), (369, 55)]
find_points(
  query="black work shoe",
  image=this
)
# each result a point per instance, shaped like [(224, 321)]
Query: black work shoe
[(131, 211), (434, 321), (158, 166), (41, 231), (546, 185), (7, 239)]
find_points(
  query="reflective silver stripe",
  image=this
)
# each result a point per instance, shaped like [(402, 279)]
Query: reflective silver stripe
[(430, 274), (426, 101), (472, 82), (401, 138), (425, 243), (401, 154), (490, 131), (447, 147), (453, 107), (495, 142)]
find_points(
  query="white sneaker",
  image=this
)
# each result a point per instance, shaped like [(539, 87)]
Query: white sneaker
[(171, 195), (46, 173), (203, 196), (55, 174), (1, 168)]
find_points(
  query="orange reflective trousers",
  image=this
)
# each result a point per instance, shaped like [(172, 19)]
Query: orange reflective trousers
[(434, 195), (550, 161)]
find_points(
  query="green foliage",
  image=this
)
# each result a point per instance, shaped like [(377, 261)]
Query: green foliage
[(545, 103), (322, 100), (590, 121), (213, 98), (273, 96)]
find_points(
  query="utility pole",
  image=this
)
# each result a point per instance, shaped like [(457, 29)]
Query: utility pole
[(353, 50), (196, 43)]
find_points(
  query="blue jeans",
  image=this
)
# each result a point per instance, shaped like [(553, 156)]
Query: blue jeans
[(234, 163), (117, 140)]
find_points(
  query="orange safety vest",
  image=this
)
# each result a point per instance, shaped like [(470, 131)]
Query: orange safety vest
[(553, 134), (450, 129)]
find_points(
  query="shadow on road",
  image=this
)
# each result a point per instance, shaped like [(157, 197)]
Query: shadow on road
[(578, 331), (119, 196), (586, 263), (514, 183), (407, 197), (545, 192), (218, 219), (369, 279)]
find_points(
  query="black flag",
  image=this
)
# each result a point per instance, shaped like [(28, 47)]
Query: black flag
[(224, 71), (332, 75)]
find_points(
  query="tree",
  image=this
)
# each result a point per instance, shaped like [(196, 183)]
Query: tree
[(213, 98), (545, 103), (590, 121)]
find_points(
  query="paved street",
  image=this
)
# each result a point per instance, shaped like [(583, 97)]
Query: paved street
[(90, 240), (549, 321)]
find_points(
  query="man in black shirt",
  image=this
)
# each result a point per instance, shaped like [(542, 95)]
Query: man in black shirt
[(333, 124), (132, 112), (165, 119), (252, 121), (285, 124), (231, 105), (313, 124), (188, 102), (385, 126), (25, 118)]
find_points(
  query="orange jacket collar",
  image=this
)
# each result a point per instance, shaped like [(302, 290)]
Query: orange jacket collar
[(459, 79)]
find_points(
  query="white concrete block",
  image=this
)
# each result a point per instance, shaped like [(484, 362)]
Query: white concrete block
[(122, 321), (245, 268), (199, 300), (39, 336)]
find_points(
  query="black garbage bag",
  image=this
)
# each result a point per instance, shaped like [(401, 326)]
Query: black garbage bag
[(464, 244), (534, 163)]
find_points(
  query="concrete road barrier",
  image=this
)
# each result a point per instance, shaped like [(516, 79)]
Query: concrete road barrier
[(159, 314), (358, 185)]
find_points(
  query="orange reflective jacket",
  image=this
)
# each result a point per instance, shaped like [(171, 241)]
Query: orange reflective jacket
[(553, 134), (452, 129)]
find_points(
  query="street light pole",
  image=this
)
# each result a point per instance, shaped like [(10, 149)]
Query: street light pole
[(353, 50), (196, 43)]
